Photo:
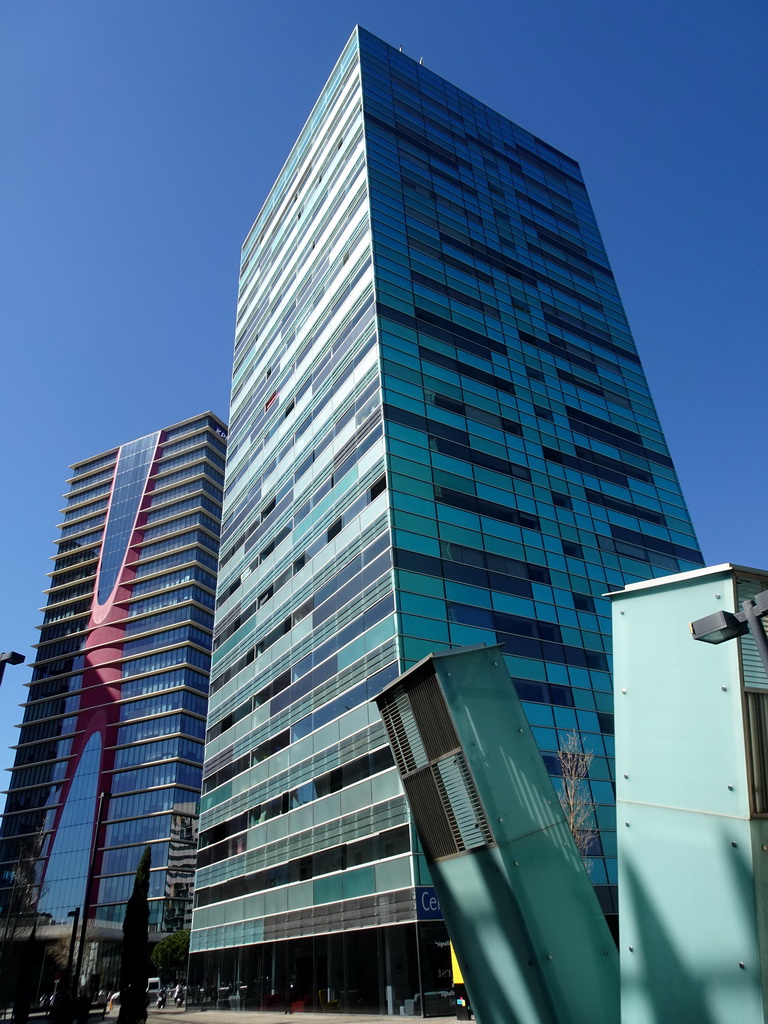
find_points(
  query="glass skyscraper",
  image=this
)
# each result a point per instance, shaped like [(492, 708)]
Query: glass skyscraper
[(441, 435), (119, 691)]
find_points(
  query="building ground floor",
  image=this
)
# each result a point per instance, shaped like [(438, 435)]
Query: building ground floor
[(44, 962), (397, 970)]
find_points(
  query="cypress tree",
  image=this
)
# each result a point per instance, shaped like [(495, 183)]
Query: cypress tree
[(133, 963)]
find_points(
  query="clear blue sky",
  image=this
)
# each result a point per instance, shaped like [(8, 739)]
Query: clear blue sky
[(138, 139)]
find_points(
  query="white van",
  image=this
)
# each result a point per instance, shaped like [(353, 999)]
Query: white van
[(153, 988)]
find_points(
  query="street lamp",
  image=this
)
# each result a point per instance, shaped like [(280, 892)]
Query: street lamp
[(9, 658), (75, 914), (721, 626)]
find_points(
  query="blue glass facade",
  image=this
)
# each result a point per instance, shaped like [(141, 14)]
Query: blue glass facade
[(131, 474), (441, 435), (118, 697)]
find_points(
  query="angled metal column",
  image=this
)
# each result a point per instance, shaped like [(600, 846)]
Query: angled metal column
[(526, 926)]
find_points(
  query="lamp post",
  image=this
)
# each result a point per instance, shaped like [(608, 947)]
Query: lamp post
[(721, 626), (9, 658), (75, 915)]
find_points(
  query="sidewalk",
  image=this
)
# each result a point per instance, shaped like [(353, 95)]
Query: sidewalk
[(196, 1016)]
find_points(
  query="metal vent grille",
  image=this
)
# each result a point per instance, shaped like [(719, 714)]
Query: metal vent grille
[(403, 732), (444, 800), (462, 804), (429, 815), (446, 808), (432, 718), (757, 749)]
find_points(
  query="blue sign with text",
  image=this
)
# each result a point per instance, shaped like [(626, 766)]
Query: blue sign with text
[(427, 904)]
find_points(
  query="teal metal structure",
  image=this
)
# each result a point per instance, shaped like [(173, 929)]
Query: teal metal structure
[(692, 800), (527, 929)]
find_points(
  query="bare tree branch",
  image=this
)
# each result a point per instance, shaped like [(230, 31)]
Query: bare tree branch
[(574, 794), (24, 888), (59, 949)]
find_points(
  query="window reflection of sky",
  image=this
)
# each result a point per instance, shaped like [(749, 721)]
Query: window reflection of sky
[(130, 480), (67, 871)]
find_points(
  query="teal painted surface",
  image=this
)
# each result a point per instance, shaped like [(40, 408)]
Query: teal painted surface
[(687, 905), (526, 926), (759, 833)]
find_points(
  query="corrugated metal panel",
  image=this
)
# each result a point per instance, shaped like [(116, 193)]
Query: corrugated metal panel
[(753, 673)]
